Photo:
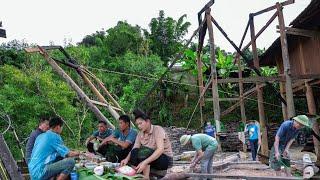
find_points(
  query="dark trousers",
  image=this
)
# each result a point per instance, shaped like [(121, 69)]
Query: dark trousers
[(113, 153), (254, 148), (102, 149), (122, 153), (162, 163)]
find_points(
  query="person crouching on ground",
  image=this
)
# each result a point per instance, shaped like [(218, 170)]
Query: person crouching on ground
[(205, 147), (93, 142), (45, 162), (152, 147), (279, 155), (123, 139)]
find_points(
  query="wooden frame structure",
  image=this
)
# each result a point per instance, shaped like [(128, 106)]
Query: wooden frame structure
[(286, 80), (111, 105)]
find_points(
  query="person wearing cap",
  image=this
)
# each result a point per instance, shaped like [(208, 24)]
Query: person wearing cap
[(285, 136), (205, 147)]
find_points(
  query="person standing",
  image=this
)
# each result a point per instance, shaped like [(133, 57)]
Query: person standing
[(205, 147), (254, 138), (43, 126), (286, 134)]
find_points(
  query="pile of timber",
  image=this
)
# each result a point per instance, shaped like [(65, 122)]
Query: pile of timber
[(174, 134)]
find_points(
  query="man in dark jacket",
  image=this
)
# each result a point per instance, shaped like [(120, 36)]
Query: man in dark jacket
[(43, 126)]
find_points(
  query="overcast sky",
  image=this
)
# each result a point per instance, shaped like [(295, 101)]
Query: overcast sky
[(42, 21)]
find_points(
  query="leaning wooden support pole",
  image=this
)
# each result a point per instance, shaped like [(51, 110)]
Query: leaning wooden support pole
[(98, 94), (75, 87), (286, 63), (101, 85), (262, 120), (8, 161)]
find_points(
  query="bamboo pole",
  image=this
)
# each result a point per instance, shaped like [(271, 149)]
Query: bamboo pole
[(75, 87), (98, 94), (286, 63), (101, 85), (262, 120)]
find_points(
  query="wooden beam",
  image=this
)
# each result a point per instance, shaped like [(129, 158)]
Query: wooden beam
[(271, 79), (262, 119), (200, 83), (223, 99), (8, 160), (301, 32), (259, 32), (98, 94), (251, 79), (75, 87), (272, 7), (215, 94), (286, 62), (102, 86), (105, 105), (220, 176)]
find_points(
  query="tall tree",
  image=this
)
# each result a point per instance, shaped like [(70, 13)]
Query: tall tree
[(167, 35), (123, 38)]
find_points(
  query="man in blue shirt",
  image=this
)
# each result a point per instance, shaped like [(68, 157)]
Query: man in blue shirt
[(254, 138), (43, 126), (123, 138), (285, 136), (47, 150), (97, 137)]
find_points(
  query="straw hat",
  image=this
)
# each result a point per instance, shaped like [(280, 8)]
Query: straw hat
[(302, 119), (184, 139)]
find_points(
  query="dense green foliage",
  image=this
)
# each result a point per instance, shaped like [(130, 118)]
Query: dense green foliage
[(128, 60)]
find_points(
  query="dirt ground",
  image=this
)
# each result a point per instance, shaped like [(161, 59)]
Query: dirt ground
[(241, 168)]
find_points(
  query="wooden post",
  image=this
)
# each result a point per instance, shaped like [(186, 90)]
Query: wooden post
[(97, 93), (242, 108), (75, 87), (215, 94), (312, 110), (8, 161), (262, 120), (286, 62), (200, 82), (311, 103), (284, 107)]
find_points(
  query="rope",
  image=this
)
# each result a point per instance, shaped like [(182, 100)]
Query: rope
[(186, 84)]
